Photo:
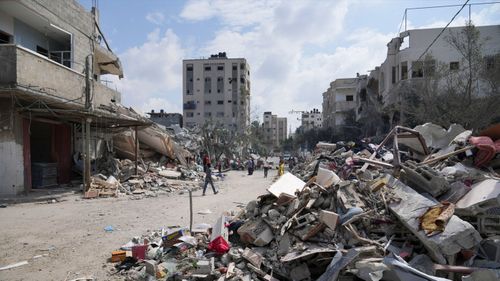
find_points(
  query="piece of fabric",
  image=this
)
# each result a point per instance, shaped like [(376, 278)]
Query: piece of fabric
[(219, 245)]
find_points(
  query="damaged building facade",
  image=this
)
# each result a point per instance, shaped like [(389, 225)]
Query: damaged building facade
[(216, 89), (403, 70), (338, 102), (53, 109), (378, 96)]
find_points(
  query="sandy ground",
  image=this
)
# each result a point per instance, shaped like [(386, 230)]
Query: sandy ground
[(70, 235)]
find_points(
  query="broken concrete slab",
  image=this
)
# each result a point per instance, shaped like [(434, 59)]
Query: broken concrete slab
[(220, 229), (256, 232), (457, 235), (326, 178), (424, 179), (287, 183), (329, 218), (482, 196), (253, 257)]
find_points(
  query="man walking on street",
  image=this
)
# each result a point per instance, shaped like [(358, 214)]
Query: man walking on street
[(208, 180), (266, 167)]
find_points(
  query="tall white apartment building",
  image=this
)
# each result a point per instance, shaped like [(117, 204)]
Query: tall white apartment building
[(216, 89)]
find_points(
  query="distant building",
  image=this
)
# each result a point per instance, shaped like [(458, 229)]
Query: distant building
[(166, 119), (339, 101), (275, 130), (217, 89), (311, 120)]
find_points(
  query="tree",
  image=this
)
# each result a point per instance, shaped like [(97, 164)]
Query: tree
[(464, 92)]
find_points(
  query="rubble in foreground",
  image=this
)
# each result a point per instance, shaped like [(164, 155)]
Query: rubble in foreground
[(426, 207)]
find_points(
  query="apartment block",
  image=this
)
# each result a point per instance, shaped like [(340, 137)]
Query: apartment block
[(217, 89), (311, 120), (339, 101), (275, 130)]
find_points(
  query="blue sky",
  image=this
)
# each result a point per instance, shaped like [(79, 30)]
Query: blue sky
[(295, 48)]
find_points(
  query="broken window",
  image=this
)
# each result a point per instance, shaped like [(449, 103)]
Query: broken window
[(208, 68), (242, 66), (220, 102), (229, 101), (349, 98), (42, 51), (5, 38), (393, 74), (417, 69), (189, 68), (242, 80), (454, 65), (404, 70), (220, 67)]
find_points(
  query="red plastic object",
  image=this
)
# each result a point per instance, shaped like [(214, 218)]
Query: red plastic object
[(487, 150), (219, 245), (139, 252)]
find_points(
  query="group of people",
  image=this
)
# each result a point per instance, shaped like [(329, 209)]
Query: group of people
[(207, 167)]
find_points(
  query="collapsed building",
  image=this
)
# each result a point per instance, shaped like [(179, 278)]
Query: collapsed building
[(58, 120), (420, 205)]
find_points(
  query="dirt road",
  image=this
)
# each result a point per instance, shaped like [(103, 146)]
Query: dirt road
[(70, 235)]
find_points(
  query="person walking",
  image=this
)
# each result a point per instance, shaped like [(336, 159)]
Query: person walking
[(266, 167), (208, 180), (250, 166), (281, 168), (206, 162)]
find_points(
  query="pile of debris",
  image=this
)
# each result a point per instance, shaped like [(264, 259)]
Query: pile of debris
[(151, 179), (426, 207)]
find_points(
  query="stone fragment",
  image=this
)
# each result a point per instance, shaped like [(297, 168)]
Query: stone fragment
[(328, 218), (457, 235)]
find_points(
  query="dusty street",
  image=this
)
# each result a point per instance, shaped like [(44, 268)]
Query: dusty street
[(70, 235)]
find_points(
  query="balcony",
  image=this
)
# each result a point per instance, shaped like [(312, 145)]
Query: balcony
[(36, 74)]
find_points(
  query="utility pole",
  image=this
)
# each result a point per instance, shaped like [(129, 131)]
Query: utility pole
[(87, 121)]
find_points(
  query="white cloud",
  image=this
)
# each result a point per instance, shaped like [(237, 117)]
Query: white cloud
[(153, 73), (155, 18)]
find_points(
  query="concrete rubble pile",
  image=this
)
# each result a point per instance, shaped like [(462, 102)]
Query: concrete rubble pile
[(424, 204), (165, 157), (152, 178)]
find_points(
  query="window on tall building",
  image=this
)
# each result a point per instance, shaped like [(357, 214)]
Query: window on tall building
[(208, 68), (220, 102), (235, 67), (349, 98), (220, 114), (208, 102), (189, 114), (454, 65), (393, 74), (189, 68), (208, 114), (220, 67), (229, 101)]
